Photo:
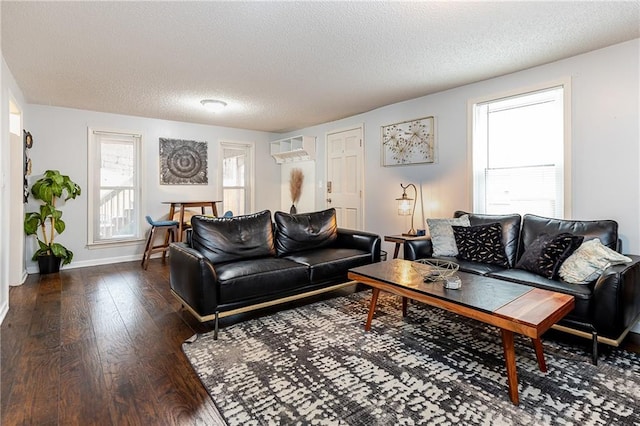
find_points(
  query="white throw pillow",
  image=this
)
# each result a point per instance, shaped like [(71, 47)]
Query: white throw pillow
[(442, 239), (589, 261)]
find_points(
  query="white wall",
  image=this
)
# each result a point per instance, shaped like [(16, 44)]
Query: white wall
[(605, 151), (60, 142), (605, 144), (605, 148), (12, 270), (4, 244)]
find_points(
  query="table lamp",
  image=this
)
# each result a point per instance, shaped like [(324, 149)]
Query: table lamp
[(407, 206)]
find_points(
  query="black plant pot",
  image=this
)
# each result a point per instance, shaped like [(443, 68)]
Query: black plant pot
[(49, 264), (293, 209)]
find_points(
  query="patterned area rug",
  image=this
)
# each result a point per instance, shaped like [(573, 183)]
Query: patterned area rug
[(316, 365)]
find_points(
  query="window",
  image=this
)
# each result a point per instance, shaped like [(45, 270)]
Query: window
[(518, 145), (114, 187), (237, 177)]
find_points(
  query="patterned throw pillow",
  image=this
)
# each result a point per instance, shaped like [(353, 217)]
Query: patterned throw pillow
[(572, 243), (481, 243), (589, 261), (545, 254), (442, 235)]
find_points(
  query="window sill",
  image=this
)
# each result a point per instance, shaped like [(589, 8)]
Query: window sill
[(115, 243)]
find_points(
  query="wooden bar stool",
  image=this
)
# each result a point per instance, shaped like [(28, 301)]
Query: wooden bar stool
[(171, 227)]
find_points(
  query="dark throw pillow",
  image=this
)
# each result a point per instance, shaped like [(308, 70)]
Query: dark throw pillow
[(545, 254), (481, 243), (573, 242)]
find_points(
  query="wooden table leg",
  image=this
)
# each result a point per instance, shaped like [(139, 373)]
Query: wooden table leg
[(372, 308), (181, 223), (537, 345), (404, 306), (396, 250), (172, 211), (510, 361)]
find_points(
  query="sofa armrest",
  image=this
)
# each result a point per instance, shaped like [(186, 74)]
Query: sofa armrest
[(418, 249), (617, 298), (193, 278), (359, 240)]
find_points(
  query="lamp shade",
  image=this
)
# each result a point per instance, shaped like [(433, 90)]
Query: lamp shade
[(406, 205)]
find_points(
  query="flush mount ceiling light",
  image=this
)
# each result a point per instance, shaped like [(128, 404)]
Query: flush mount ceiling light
[(213, 105)]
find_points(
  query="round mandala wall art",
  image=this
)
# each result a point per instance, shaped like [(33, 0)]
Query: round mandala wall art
[(183, 162)]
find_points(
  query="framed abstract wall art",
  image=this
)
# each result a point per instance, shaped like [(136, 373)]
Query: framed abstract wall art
[(408, 142), (183, 162)]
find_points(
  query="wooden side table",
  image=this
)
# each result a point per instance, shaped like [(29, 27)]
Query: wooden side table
[(400, 239)]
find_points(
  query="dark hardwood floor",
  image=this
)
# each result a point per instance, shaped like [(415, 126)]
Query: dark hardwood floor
[(102, 345)]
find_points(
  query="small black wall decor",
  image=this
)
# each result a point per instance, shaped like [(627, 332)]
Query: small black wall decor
[(26, 160), (183, 162)]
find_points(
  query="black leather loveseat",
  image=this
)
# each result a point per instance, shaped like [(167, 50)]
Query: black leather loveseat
[(605, 309), (232, 265)]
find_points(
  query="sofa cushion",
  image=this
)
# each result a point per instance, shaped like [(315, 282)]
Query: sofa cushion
[(547, 252), (304, 231), (442, 240), (533, 226), (330, 264), (226, 239), (481, 243), (589, 261), (477, 268), (260, 278), (510, 229), (584, 296)]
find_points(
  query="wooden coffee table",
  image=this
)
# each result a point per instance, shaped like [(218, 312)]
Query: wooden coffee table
[(512, 307)]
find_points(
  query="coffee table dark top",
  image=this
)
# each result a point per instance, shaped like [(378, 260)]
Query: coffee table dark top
[(477, 292)]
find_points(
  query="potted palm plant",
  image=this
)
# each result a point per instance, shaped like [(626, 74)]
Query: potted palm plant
[(49, 189)]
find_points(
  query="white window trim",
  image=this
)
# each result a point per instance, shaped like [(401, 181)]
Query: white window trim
[(92, 169), (252, 170), (566, 84)]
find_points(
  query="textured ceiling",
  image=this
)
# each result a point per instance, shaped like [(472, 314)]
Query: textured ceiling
[(285, 65)]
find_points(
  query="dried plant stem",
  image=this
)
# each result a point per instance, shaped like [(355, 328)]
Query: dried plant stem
[(295, 184)]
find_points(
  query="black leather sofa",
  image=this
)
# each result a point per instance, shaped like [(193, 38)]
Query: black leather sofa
[(233, 265), (605, 310)]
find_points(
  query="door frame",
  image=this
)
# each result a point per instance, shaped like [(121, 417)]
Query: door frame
[(362, 168)]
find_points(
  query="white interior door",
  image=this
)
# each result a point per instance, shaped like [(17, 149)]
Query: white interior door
[(345, 158)]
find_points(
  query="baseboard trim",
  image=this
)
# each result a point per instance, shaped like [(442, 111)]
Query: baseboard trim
[(4, 309), (260, 305), (33, 269), (23, 279)]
